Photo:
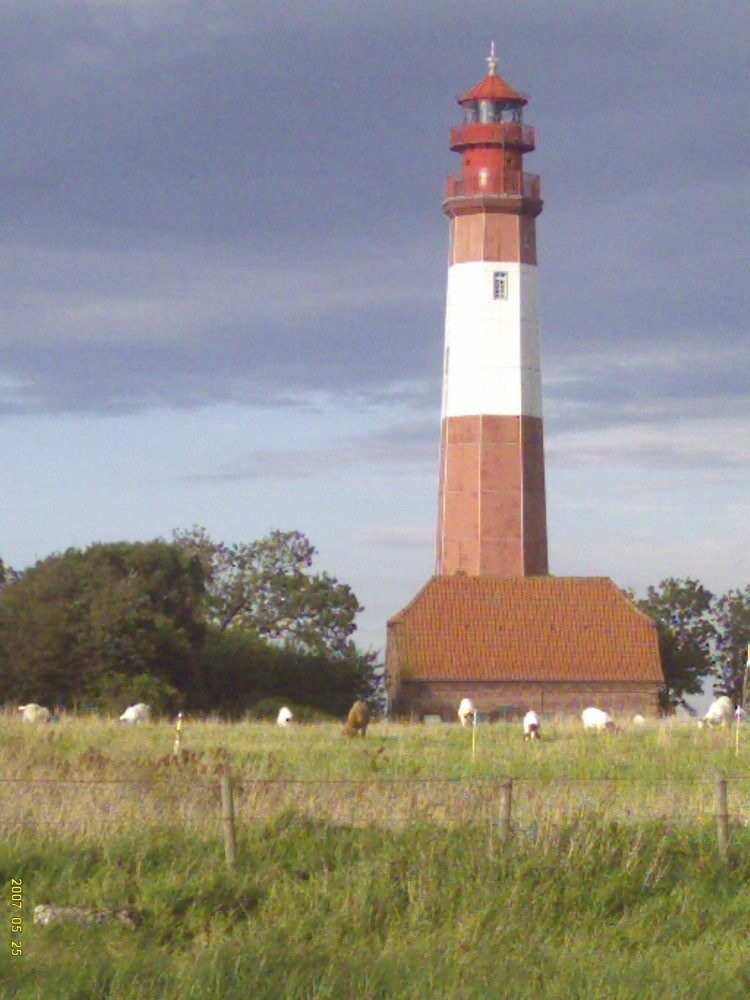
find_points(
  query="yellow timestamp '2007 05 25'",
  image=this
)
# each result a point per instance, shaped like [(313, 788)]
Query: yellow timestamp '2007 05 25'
[(16, 922)]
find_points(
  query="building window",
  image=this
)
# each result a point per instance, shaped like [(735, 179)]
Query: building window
[(500, 285)]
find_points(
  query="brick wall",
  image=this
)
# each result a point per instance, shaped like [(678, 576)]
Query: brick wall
[(620, 699)]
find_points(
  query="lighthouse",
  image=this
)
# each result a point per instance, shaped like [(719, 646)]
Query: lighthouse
[(492, 517), (492, 624)]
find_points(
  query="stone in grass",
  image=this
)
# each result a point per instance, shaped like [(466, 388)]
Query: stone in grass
[(46, 914)]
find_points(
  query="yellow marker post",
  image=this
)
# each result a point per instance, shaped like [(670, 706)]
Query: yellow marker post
[(742, 708), (177, 735)]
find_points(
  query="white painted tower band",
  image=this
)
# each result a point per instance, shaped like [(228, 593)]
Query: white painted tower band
[(492, 354)]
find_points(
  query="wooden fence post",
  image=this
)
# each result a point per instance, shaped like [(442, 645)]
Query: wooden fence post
[(506, 795), (227, 817), (722, 815)]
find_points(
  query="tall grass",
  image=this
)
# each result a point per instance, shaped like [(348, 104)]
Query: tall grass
[(590, 909), (114, 776), (85, 746), (363, 872)]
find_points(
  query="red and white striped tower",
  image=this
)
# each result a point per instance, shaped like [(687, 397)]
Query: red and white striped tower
[(492, 517)]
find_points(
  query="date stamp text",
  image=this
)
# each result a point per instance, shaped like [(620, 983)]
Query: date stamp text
[(16, 920)]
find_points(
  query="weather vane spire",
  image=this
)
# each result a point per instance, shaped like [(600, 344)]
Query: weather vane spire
[(492, 61)]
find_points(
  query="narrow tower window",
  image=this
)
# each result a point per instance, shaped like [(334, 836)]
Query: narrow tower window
[(500, 285)]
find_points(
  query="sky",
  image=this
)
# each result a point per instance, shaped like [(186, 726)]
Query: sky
[(223, 268)]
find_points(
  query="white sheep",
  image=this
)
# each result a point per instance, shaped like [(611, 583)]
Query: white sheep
[(532, 727), (720, 713), (285, 717), (466, 712), (639, 721), (596, 718), (136, 713), (34, 713)]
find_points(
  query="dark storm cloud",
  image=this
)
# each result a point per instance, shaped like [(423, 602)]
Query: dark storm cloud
[(224, 201), (125, 330), (650, 387)]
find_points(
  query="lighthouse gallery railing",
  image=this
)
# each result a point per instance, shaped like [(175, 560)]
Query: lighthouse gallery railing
[(510, 184)]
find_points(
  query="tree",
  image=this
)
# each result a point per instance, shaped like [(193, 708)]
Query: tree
[(192, 622), (732, 641), (7, 575), (235, 671), (266, 588), (682, 612), (72, 621)]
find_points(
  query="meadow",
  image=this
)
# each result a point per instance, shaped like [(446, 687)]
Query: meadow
[(376, 867)]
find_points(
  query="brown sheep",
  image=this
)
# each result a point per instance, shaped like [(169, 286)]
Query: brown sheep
[(358, 721)]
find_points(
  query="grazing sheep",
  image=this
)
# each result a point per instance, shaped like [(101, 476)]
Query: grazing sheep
[(638, 720), (34, 713), (596, 718), (720, 713), (532, 727), (285, 717), (358, 720), (136, 713), (466, 712)]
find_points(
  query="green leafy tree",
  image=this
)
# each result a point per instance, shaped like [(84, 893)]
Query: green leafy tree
[(732, 639), (72, 620), (683, 613), (267, 588), (7, 575), (184, 623), (236, 671)]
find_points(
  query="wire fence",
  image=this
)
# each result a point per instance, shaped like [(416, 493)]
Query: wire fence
[(102, 807)]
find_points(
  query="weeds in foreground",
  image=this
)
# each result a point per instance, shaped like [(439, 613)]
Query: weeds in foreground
[(591, 909)]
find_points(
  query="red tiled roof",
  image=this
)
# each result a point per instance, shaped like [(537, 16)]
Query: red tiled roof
[(493, 88), (548, 628)]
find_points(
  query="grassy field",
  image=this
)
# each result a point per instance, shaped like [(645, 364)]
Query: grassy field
[(375, 868)]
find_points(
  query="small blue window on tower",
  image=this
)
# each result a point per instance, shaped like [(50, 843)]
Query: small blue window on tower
[(500, 285)]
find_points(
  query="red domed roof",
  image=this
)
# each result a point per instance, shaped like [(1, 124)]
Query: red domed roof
[(493, 87)]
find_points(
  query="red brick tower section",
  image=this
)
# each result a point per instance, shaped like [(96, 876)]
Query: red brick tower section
[(492, 511)]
